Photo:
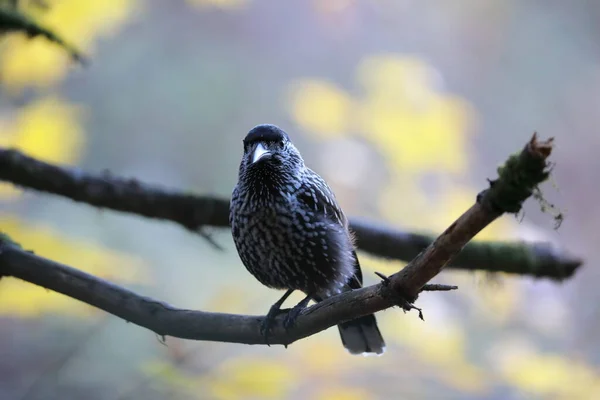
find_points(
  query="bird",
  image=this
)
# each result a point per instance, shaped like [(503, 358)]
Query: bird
[(291, 234)]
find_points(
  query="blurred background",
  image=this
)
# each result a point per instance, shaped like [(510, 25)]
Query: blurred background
[(404, 106)]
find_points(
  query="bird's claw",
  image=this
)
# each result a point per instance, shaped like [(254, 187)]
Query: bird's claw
[(265, 329), (289, 320), (291, 317), (268, 321)]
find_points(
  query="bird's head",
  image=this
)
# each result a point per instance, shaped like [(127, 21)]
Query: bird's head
[(268, 150)]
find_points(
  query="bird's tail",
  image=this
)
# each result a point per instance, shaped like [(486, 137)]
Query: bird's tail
[(362, 335)]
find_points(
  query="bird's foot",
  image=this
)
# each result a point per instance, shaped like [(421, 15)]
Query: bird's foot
[(290, 318), (294, 313), (267, 324)]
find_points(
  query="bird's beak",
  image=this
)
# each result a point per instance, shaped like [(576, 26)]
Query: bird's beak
[(259, 152)]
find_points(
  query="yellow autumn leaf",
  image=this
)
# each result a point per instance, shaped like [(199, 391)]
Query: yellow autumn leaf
[(551, 375), (321, 107), (26, 300), (38, 62), (247, 377), (416, 142), (48, 129), (414, 124), (86, 19), (17, 69)]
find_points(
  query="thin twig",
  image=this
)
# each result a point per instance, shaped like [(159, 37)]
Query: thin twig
[(11, 20), (438, 288)]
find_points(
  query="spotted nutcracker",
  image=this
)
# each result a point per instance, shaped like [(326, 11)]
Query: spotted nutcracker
[(291, 234)]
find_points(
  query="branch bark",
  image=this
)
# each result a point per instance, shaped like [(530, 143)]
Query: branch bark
[(194, 212), (521, 175)]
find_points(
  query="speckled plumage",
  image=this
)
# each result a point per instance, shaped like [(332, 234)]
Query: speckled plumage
[(290, 232)]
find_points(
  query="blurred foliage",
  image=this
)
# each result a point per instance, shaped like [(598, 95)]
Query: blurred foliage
[(416, 126), (32, 62), (23, 299), (444, 346), (48, 128), (242, 378), (420, 131), (549, 375), (12, 20)]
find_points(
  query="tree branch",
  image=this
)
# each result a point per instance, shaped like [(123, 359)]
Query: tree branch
[(517, 180), (519, 177), (11, 20), (195, 212)]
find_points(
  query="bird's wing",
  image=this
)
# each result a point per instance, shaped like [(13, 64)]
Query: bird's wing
[(319, 198)]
